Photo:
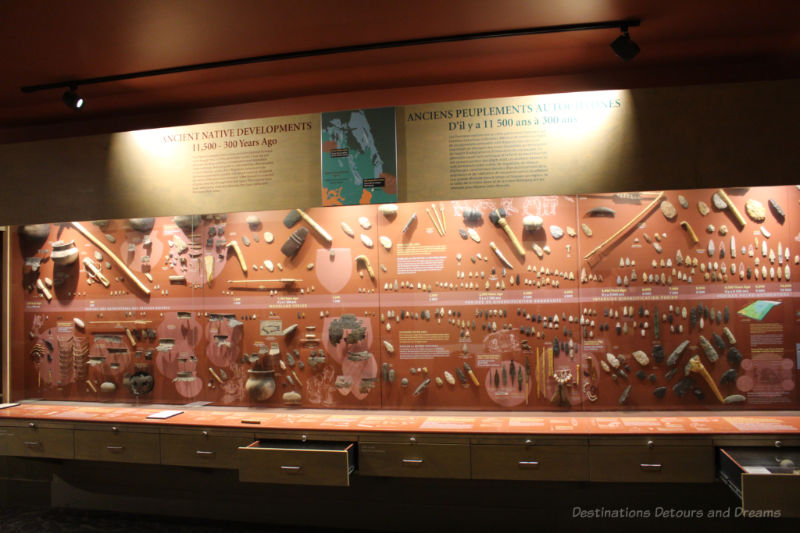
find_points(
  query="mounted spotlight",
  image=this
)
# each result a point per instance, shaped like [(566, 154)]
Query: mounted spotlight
[(72, 100), (624, 46)]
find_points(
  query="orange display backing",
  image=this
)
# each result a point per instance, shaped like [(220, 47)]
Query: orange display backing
[(439, 306), (607, 423)]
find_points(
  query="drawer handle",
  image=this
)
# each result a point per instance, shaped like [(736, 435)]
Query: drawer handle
[(290, 468), (115, 448), (651, 467), (33, 444), (529, 464), (412, 461), (205, 453)]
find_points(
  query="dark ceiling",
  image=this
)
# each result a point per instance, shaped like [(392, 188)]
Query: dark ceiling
[(682, 41)]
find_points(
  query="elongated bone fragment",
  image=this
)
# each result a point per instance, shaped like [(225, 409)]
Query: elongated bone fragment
[(695, 365), (624, 229), (112, 256), (95, 271), (363, 259), (732, 208), (209, 263), (433, 220), (500, 255), (40, 285), (688, 228), (239, 255)]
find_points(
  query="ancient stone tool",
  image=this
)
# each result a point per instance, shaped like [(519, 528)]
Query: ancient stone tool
[(239, 255), (296, 214), (92, 268), (695, 365), (292, 244), (624, 229), (471, 375), (433, 220), (209, 263), (410, 221), (732, 208), (40, 285), (364, 260), (499, 254), (688, 227), (498, 218), (83, 231)]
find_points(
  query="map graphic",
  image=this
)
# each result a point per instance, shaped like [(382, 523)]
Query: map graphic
[(359, 157)]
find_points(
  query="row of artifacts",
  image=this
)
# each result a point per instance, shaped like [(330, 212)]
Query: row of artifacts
[(665, 300)]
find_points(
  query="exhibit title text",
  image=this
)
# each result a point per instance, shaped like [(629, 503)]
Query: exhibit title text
[(232, 133)]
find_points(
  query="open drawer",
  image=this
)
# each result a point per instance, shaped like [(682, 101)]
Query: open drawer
[(297, 463), (766, 479)]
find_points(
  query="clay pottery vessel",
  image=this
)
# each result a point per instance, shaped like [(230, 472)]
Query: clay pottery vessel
[(260, 384), (64, 253)]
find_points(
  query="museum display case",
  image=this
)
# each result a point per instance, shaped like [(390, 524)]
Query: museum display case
[(668, 300)]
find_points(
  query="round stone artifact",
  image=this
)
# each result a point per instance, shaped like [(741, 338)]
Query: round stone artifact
[(668, 210), (755, 210), (532, 223)]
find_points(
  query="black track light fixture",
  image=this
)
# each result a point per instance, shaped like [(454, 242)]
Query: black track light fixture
[(624, 46), (72, 99)]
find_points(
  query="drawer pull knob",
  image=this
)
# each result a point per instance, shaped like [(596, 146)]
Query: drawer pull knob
[(651, 467), (412, 461), (290, 468), (115, 448), (205, 453), (529, 464), (33, 444)]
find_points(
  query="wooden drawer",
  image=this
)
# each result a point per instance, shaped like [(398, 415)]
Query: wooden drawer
[(33, 440), (202, 447), (532, 462), (120, 444), (646, 460), (297, 463), (414, 460), (764, 479)]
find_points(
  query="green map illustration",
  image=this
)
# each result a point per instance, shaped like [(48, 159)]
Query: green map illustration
[(359, 160)]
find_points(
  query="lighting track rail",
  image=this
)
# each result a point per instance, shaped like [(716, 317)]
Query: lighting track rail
[(622, 25)]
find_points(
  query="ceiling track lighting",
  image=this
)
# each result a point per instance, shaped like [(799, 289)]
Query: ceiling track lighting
[(72, 99), (623, 46)]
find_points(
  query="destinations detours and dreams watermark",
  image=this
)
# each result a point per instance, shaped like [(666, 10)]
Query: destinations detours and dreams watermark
[(676, 513)]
